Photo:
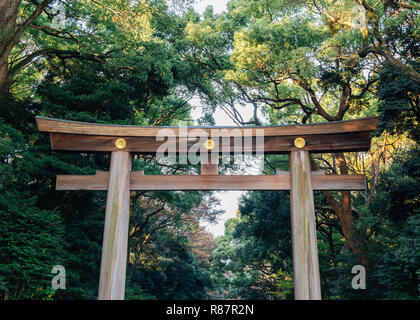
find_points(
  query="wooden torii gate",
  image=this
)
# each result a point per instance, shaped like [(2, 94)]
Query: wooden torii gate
[(122, 141)]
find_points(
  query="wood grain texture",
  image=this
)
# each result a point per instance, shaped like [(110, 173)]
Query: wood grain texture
[(139, 182), (74, 127), (316, 143), (117, 216), (304, 243), (209, 166)]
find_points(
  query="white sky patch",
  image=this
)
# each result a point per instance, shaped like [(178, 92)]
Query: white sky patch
[(228, 199), (228, 202), (218, 5)]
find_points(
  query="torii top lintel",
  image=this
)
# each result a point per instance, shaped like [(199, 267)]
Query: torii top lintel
[(340, 136)]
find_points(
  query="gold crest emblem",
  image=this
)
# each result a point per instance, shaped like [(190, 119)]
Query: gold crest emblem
[(209, 144), (120, 143), (299, 143)]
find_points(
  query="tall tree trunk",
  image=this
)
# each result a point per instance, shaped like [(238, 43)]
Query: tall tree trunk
[(8, 18), (10, 35), (342, 209), (3, 77)]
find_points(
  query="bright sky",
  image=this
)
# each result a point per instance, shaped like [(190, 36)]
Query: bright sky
[(229, 203), (228, 199), (218, 5)]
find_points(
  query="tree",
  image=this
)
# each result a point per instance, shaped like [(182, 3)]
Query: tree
[(28, 32), (143, 82), (142, 63), (294, 66), (398, 103), (253, 260), (12, 31), (31, 238)]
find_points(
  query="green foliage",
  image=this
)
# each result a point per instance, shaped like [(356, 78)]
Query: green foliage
[(31, 242), (398, 231), (139, 63), (137, 293), (172, 273), (253, 258), (111, 73), (398, 103)]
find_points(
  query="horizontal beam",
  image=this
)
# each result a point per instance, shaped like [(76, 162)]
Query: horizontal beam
[(73, 127), (138, 181), (316, 143)]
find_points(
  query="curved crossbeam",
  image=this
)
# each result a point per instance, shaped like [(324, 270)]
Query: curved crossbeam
[(340, 136)]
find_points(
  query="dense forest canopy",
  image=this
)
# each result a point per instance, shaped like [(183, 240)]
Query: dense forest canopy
[(145, 62)]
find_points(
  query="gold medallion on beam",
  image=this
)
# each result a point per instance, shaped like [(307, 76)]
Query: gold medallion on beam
[(299, 143), (120, 143), (209, 144)]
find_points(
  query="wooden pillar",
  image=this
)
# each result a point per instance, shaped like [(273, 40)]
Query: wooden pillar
[(305, 249), (209, 166), (114, 248)]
